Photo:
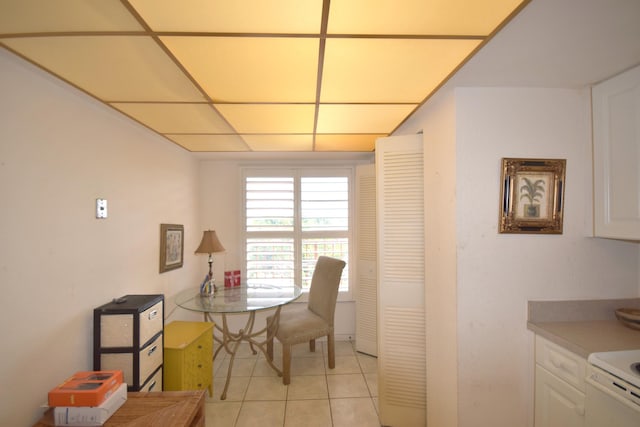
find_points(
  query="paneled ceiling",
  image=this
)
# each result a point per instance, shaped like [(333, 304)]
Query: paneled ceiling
[(256, 75)]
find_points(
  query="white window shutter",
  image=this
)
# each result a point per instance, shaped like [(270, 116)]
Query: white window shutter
[(401, 275)]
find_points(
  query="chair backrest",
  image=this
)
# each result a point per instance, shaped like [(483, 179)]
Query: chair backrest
[(324, 287)]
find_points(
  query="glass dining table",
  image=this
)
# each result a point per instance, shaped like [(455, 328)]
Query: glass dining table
[(244, 299)]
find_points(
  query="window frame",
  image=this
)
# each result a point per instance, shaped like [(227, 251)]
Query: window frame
[(297, 172)]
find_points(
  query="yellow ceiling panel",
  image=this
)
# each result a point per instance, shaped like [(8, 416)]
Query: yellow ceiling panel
[(269, 118), (418, 17), (256, 75), (246, 16), (346, 142), (385, 70), (209, 142), (250, 69), (176, 118), (365, 118), (280, 142), (34, 16), (112, 68)]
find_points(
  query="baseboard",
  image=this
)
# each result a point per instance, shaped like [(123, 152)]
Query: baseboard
[(338, 337)]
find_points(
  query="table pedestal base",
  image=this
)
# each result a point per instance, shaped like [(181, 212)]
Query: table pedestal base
[(230, 341)]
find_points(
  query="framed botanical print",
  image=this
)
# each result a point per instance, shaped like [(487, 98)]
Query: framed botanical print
[(532, 196), (171, 246)]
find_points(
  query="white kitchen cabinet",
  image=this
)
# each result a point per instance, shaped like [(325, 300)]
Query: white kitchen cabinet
[(559, 386), (557, 403), (616, 156)]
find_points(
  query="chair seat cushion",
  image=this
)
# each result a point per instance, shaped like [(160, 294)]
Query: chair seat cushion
[(300, 325)]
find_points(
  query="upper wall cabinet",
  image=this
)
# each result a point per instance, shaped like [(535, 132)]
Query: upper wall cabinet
[(616, 151)]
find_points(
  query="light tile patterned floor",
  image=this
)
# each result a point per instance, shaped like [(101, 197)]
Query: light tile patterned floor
[(317, 396)]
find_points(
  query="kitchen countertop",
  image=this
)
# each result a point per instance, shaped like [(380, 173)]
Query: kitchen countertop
[(589, 336), (584, 327)]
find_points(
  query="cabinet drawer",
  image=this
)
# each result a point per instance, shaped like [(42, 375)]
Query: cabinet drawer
[(564, 364), (117, 330), (197, 361), (154, 383), (151, 322), (149, 359), (199, 351)]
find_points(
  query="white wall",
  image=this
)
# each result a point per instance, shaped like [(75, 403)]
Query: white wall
[(437, 121), (498, 273), (59, 151)]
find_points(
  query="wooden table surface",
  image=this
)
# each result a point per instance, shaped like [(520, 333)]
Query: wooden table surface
[(153, 409)]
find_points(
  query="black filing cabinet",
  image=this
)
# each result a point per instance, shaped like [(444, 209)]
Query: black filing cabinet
[(128, 334)]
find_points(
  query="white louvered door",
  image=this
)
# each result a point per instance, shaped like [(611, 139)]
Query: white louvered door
[(367, 286), (401, 275)]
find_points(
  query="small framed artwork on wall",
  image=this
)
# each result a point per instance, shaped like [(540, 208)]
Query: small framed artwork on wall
[(171, 246), (532, 196)]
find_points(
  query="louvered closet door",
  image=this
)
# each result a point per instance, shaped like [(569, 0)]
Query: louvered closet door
[(367, 286), (401, 312)]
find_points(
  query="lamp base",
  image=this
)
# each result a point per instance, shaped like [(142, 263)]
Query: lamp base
[(208, 288)]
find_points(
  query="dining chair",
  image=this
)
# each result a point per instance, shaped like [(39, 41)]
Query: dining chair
[(315, 320)]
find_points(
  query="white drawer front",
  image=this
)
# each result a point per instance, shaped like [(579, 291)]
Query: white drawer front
[(154, 383), (150, 358), (564, 364), (150, 322)]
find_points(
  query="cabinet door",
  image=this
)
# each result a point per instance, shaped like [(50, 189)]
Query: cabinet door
[(616, 151), (557, 403)]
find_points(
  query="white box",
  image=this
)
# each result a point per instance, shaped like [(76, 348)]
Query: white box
[(90, 415)]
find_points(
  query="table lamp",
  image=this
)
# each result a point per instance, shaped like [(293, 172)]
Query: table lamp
[(209, 245)]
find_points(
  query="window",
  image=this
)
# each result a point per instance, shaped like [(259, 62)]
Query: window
[(291, 217)]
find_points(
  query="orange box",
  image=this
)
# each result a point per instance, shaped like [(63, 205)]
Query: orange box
[(86, 388)]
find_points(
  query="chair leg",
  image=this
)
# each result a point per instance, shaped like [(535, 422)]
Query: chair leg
[(270, 348), (286, 364), (312, 345), (331, 351)]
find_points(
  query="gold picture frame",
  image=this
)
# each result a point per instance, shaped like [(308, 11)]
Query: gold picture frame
[(171, 246), (532, 196)]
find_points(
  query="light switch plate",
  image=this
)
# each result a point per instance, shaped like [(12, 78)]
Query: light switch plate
[(101, 208)]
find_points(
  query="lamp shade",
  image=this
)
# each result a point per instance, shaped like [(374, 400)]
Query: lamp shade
[(209, 243)]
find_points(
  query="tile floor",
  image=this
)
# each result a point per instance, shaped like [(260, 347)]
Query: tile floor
[(317, 396)]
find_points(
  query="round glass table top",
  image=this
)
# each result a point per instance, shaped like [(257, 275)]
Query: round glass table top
[(238, 299)]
